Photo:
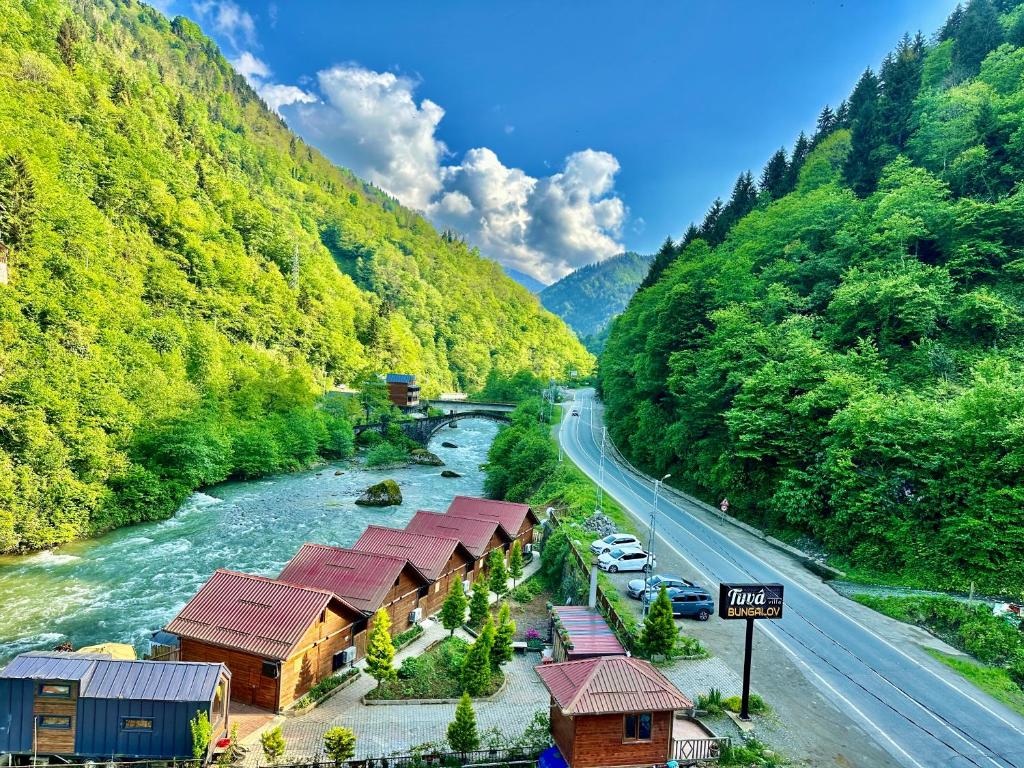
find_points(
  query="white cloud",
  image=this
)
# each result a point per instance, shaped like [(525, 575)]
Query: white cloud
[(277, 95), (251, 68), (370, 122), (236, 25)]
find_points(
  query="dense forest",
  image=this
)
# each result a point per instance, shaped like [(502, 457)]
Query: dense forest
[(187, 277), (838, 348), (589, 297)]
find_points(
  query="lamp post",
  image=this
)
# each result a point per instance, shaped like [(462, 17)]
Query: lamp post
[(650, 544)]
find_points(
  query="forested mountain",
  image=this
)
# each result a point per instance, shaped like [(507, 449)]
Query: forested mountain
[(589, 297), (530, 283), (838, 349), (187, 276)]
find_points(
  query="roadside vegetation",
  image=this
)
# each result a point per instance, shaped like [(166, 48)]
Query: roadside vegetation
[(996, 644), (837, 348)]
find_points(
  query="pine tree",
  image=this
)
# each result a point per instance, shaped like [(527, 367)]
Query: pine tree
[(339, 743), (665, 255), (843, 114), (899, 83), (462, 733), (380, 651), (691, 234), (479, 602), (741, 202), (659, 632), (67, 38), (453, 612), (497, 573), (709, 228), (773, 177), (515, 562), (17, 200), (503, 636), (476, 668), (273, 744), (977, 33), (796, 161), (826, 124), (949, 29), (863, 163)]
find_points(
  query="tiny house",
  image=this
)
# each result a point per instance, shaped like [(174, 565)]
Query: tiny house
[(77, 705), (516, 520), (403, 390), (479, 537)]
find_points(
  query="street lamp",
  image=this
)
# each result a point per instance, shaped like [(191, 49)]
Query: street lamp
[(650, 545)]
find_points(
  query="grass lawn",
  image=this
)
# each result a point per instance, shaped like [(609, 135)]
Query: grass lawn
[(436, 674), (994, 681)]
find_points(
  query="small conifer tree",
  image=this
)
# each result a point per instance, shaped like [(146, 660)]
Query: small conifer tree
[(462, 732), (453, 612), (515, 562), (479, 602), (659, 633), (380, 651)]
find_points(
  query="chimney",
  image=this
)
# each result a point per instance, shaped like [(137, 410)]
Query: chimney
[(592, 600)]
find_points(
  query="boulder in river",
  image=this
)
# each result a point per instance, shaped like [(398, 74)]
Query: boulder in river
[(422, 456), (338, 472), (382, 494), (449, 473), (446, 444)]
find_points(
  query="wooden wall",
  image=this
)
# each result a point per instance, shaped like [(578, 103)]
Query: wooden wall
[(562, 731), (248, 684), (314, 659), (401, 600), (54, 740), (459, 565), (598, 742)]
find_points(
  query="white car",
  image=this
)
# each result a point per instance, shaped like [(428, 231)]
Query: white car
[(626, 560), (615, 541)]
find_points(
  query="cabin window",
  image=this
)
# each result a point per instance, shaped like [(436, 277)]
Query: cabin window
[(55, 691), (136, 723), (437, 587), (56, 722), (423, 591), (269, 669), (638, 727)]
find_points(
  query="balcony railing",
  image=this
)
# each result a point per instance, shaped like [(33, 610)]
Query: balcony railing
[(693, 750)]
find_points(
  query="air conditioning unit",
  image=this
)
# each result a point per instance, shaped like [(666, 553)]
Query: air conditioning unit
[(415, 615), (527, 549), (343, 658)]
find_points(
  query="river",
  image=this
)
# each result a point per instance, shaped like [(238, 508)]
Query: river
[(123, 585)]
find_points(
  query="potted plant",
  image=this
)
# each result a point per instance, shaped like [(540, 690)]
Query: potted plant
[(534, 642)]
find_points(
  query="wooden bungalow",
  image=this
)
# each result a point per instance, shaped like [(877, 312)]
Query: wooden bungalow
[(366, 580), (478, 536), (612, 712), (578, 632), (439, 558), (517, 521), (278, 639), (80, 707), (403, 390)]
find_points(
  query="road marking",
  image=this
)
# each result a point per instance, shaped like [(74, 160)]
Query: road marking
[(966, 694), (621, 482)]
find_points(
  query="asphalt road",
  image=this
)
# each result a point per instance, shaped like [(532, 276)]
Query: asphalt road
[(909, 705)]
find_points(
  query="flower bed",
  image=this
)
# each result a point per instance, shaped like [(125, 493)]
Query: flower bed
[(403, 639), (434, 674), (325, 688)]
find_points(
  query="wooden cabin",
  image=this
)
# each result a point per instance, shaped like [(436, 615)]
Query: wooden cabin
[(366, 580), (278, 639), (440, 559), (612, 712), (89, 706), (478, 536), (517, 521), (578, 632), (403, 390)]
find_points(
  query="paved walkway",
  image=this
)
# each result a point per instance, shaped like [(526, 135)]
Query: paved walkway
[(384, 730)]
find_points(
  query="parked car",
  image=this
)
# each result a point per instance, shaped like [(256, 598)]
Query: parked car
[(626, 560), (575, 412), (637, 587), (692, 603), (615, 541)]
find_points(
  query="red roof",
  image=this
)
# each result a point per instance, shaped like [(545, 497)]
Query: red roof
[(474, 534), (509, 516), (430, 554), (253, 614), (589, 633), (610, 684), (360, 578)]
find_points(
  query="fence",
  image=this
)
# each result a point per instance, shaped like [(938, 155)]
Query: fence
[(692, 750), (482, 758), (622, 629)]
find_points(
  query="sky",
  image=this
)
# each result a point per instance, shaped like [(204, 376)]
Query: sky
[(555, 134)]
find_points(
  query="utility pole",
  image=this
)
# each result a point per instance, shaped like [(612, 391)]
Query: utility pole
[(650, 544), (600, 485)]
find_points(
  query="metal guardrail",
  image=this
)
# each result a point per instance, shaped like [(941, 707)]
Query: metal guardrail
[(697, 750)]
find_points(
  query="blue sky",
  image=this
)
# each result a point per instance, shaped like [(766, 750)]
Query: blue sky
[(556, 133)]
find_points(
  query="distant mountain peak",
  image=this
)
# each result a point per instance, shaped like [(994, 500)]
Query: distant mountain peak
[(529, 282)]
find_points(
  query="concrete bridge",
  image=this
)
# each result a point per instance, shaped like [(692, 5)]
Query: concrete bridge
[(421, 430)]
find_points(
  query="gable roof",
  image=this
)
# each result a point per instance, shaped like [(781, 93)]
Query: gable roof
[(589, 633), (102, 677), (267, 617), (430, 554), (475, 534), (509, 515), (610, 684), (400, 378), (362, 579)]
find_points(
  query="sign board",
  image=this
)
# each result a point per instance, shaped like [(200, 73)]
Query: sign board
[(750, 601)]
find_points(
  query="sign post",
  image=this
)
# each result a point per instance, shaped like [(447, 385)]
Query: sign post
[(750, 602)]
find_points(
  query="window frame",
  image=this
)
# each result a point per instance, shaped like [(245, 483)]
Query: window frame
[(65, 719), (44, 695), (145, 718), (637, 718)]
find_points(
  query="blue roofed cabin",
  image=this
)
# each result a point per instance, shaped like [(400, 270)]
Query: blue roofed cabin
[(403, 389), (77, 705)]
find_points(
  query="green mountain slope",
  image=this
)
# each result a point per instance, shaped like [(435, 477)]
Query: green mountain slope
[(589, 297), (187, 276), (845, 359)]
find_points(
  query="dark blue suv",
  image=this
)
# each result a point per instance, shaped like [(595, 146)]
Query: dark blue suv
[(692, 604)]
